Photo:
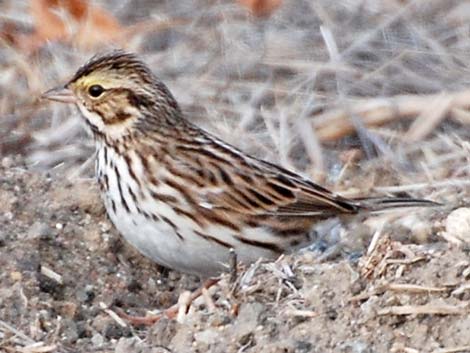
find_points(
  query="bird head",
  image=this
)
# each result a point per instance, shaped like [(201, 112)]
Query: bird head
[(117, 95)]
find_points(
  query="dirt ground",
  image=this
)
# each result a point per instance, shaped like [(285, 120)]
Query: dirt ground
[(364, 97), (65, 273)]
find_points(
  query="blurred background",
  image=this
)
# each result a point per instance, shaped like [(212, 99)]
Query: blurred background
[(333, 89)]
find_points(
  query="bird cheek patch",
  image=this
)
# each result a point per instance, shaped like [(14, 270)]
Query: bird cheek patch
[(119, 117)]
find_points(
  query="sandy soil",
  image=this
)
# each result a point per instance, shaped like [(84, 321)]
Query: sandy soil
[(65, 272)]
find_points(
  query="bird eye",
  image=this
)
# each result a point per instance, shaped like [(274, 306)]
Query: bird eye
[(95, 90)]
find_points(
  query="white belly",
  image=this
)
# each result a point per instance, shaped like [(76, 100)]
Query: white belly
[(181, 250), (155, 229)]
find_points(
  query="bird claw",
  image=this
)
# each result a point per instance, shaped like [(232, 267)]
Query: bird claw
[(176, 311)]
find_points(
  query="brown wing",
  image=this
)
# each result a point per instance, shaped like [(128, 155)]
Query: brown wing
[(267, 189), (240, 184)]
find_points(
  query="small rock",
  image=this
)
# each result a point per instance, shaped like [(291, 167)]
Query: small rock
[(29, 263), (7, 203), (303, 346), (126, 345), (358, 286), (209, 336), (92, 239), (420, 230), (40, 230), (7, 162), (16, 276), (105, 226), (458, 226), (54, 288), (331, 314), (183, 338), (83, 329), (357, 346), (69, 333), (68, 309), (113, 330), (97, 340), (247, 320), (466, 273), (86, 295), (100, 322), (3, 239), (163, 331), (134, 285), (217, 319), (151, 285)]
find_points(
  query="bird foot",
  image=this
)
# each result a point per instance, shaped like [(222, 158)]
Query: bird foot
[(174, 312)]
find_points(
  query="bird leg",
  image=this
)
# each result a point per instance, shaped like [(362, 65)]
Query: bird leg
[(172, 311)]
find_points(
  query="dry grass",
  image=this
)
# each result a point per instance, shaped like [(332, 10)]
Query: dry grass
[(263, 83)]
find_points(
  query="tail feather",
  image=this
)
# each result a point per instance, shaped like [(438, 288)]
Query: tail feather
[(375, 204)]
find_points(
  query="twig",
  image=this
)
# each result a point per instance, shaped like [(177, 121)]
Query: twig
[(208, 300), (184, 301), (413, 288), (439, 309), (113, 315), (453, 349), (461, 289), (374, 241), (17, 332), (406, 261), (301, 313), (413, 187), (334, 124), (429, 118), (38, 347), (51, 274)]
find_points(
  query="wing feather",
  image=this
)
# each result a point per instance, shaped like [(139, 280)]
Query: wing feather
[(249, 186)]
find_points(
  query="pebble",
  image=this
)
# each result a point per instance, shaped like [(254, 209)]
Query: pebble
[(420, 230), (16, 276), (355, 346), (303, 346), (3, 239), (70, 332), (68, 309), (39, 230), (209, 336), (113, 330), (92, 239), (97, 340), (86, 295), (136, 345), (458, 225), (247, 320), (105, 226), (7, 162), (48, 285), (126, 345)]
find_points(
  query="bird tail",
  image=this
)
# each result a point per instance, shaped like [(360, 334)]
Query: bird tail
[(377, 204)]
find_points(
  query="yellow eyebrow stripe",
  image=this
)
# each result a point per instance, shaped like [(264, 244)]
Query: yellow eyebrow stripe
[(88, 81)]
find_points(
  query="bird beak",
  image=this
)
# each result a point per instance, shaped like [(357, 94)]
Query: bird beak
[(60, 94)]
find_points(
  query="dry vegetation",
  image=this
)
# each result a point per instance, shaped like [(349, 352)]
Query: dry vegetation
[(363, 96)]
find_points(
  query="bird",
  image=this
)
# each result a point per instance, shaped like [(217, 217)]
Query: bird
[(182, 196)]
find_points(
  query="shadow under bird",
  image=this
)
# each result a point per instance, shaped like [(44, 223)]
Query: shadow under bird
[(182, 196)]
